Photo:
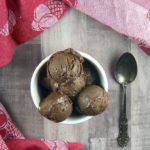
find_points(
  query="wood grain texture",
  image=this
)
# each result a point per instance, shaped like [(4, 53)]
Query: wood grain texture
[(82, 33), (15, 90), (141, 102)]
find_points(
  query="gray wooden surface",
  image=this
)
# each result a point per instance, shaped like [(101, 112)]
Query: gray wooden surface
[(82, 33)]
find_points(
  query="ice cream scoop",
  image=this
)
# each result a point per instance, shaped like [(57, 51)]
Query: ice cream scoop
[(92, 100), (56, 107), (65, 71), (65, 65), (71, 87)]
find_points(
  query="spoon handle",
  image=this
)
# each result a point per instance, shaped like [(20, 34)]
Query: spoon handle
[(123, 137)]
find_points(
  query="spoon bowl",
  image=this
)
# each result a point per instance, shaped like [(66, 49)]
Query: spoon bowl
[(126, 69)]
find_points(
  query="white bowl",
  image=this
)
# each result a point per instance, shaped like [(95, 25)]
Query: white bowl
[(34, 87)]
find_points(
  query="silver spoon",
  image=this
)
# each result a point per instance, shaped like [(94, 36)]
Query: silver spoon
[(125, 72)]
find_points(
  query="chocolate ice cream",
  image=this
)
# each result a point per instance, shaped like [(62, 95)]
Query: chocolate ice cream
[(65, 71), (56, 107), (65, 65), (72, 88), (92, 100)]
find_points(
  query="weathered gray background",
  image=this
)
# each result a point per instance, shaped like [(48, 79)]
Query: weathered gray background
[(82, 33)]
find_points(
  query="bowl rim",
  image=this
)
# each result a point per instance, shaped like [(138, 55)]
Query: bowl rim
[(34, 93)]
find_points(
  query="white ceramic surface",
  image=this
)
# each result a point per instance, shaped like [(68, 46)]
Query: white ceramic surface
[(36, 94)]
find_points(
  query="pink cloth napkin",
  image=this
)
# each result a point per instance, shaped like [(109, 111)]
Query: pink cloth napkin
[(21, 20), (12, 139)]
